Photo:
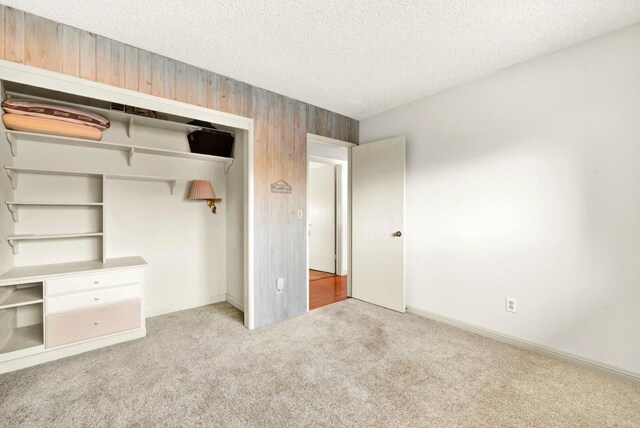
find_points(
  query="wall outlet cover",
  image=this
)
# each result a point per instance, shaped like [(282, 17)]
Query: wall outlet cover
[(511, 304)]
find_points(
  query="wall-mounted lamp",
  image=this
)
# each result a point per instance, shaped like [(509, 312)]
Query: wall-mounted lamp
[(203, 190)]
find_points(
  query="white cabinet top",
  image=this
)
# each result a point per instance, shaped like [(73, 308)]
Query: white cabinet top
[(25, 274)]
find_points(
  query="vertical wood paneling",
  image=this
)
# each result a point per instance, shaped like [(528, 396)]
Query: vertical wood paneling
[(181, 82), (259, 103), (247, 99), (300, 165), (192, 84), (34, 41), (286, 211), (203, 88), (331, 124), (157, 75), (231, 95), (53, 46), (280, 127), (213, 91), (131, 64), (311, 119), (169, 78), (2, 39), (144, 71), (276, 262), (14, 35), (103, 60), (88, 55), (116, 63), (71, 51)]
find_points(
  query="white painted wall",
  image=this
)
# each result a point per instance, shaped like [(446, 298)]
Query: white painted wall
[(526, 184)]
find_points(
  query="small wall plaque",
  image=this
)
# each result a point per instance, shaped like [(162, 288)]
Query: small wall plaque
[(280, 186)]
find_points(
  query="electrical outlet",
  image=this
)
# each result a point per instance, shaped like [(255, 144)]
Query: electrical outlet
[(279, 285), (511, 304)]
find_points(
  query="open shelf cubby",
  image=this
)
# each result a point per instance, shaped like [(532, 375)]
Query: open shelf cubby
[(24, 337), (12, 296), (21, 316)]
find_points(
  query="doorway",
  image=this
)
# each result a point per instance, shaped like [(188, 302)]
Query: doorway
[(328, 220), (322, 217)]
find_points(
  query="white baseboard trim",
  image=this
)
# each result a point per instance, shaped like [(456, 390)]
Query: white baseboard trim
[(235, 303), (531, 346), (184, 304), (68, 350)]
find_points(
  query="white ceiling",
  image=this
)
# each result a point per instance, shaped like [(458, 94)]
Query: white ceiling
[(357, 57)]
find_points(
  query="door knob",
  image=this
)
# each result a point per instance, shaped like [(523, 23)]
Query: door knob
[(398, 234)]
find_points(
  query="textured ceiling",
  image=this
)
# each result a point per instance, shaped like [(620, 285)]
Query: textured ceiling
[(356, 57)]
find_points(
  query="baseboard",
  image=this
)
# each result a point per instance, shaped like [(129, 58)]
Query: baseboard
[(531, 346), (68, 350), (235, 303), (184, 304)]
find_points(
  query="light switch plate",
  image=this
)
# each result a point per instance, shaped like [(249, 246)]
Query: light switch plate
[(279, 285)]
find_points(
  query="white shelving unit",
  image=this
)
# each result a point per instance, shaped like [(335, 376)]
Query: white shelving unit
[(130, 121), (13, 206), (13, 173), (13, 137), (14, 240)]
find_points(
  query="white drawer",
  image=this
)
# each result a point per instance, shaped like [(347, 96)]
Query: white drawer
[(94, 281), (90, 299)]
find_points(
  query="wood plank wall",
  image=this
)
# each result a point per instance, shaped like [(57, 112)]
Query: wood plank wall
[(280, 124)]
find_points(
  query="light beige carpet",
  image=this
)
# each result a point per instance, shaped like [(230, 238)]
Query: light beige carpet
[(348, 364)]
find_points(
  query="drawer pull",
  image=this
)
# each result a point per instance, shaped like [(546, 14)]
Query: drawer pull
[(96, 298), (96, 323), (96, 282)]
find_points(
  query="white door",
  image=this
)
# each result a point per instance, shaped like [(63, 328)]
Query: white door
[(322, 217), (377, 222)]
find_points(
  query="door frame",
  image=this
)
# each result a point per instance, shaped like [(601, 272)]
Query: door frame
[(340, 232), (21, 73)]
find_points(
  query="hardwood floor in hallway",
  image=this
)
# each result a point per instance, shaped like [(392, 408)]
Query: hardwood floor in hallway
[(326, 288)]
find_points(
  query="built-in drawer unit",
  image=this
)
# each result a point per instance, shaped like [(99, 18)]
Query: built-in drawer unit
[(94, 281), (75, 326), (94, 298)]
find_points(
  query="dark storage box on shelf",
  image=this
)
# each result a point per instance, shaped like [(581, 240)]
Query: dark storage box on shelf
[(210, 141)]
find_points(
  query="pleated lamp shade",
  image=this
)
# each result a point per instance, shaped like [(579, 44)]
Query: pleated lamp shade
[(201, 189)]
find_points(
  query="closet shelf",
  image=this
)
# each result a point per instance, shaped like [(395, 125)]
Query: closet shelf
[(33, 237), (12, 172), (14, 136), (14, 240), (13, 206), (57, 204), (22, 297), (116, 116)]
